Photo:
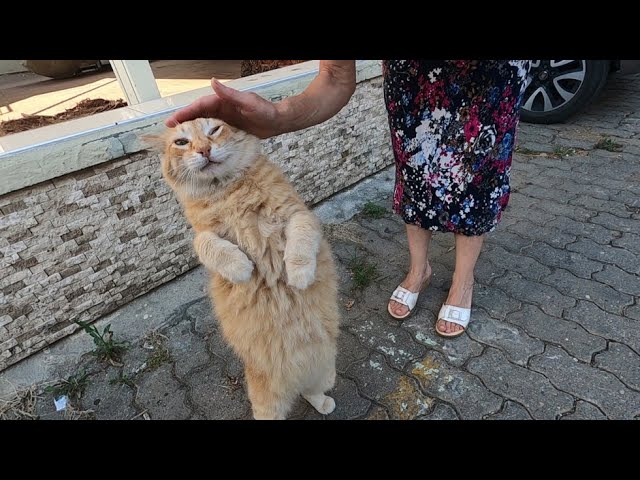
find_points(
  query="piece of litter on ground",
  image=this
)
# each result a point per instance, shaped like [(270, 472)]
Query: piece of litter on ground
[(141, 414), (60, 403), (349, 304), (140, 368), (146, 416)]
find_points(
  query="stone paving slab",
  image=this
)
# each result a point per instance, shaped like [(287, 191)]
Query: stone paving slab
[(555, 330), (532, 390), (511, 411), (585, 411)]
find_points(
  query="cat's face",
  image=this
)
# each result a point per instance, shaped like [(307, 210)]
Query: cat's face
[(204, 149)]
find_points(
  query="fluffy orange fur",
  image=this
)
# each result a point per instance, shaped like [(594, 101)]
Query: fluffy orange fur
[(273, 279)]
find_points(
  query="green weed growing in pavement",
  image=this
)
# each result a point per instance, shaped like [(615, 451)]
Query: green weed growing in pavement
[(526, 151), (373, 210), (155, 341), (157, 358), (562, 151), (363, 272), (608, 145), (122, 379), (73, 387), (107, 349)]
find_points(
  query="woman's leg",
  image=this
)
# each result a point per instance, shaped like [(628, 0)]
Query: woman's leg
[(420, 269), (461, 291)]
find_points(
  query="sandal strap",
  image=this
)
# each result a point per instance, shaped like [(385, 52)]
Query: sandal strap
[(457, 315), (405, 297)]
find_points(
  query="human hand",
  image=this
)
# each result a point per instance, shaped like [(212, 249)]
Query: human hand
[(325, 96), (245, 110)]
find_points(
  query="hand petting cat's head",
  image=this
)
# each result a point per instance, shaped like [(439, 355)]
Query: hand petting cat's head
[(204, 153)]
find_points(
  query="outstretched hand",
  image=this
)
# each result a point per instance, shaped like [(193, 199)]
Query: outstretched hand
[(245, 110), (325, 96)]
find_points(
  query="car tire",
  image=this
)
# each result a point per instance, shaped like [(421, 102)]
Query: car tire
[(557, 94)]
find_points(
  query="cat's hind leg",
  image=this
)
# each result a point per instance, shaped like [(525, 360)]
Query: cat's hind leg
[(269, 400), (323, 381), (324, 404)]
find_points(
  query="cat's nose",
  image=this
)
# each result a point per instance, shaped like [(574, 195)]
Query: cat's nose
[(204, 151)]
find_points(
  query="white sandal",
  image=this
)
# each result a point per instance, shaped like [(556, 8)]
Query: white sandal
[(458, 315), (407, 298), (404, 297)]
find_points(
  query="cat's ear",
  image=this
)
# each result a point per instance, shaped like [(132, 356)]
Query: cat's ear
[(153, 141)]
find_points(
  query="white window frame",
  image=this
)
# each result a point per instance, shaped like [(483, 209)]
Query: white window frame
[(136, 80)]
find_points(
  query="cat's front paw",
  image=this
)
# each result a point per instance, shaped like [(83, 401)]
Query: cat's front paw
[(301, 272), (237, 268)]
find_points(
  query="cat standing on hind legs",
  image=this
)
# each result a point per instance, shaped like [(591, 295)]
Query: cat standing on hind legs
[(273, 279)]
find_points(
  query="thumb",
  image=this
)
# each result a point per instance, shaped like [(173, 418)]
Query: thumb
[(224, 91), (244, 102)]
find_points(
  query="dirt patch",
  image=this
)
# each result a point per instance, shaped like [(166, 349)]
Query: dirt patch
[(82, 109), (251, 67), (406, 402)]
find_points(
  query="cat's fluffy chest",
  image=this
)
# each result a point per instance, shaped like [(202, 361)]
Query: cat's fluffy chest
[(260, 235), (251, 231), (252, 213)]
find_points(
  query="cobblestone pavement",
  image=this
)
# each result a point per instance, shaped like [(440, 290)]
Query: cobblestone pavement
[(555, 330)]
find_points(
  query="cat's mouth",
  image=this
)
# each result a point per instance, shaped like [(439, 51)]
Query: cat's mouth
[(210, 163)]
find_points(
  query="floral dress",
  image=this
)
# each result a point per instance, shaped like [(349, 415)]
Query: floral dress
[(453, 126)]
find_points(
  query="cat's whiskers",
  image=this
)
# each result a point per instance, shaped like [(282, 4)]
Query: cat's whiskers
[(183, 175), (192, 181)]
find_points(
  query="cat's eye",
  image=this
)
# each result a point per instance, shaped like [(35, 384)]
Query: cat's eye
[(181, 141), (215, 129)]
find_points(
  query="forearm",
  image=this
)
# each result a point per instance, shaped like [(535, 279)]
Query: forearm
[(303, 233), (322, 99), (223, 257)]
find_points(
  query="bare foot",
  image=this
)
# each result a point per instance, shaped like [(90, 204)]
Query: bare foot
[(460, 295), (412, 282)]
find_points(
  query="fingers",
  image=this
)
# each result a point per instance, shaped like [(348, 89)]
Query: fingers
[(224, 91), (243, 101), (208, 106), (203, 107), (171, 122), (245, 110)]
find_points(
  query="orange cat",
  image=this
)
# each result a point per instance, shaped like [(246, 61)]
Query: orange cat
[(273, 280)]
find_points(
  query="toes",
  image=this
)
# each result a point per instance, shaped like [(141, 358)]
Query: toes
[(398, 308), (453, 327), (448, 327)]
